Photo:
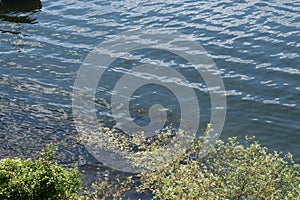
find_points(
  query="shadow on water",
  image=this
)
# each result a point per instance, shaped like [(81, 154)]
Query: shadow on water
[(19, 11)]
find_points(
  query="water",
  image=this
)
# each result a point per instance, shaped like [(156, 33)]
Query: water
[(255, 44)]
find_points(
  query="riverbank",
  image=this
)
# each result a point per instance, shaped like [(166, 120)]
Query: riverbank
[(230, 171)]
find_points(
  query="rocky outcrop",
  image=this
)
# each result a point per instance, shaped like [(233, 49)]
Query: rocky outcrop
[(19, 5)]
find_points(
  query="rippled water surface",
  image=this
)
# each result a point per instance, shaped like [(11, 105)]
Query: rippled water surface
[(255, 44)]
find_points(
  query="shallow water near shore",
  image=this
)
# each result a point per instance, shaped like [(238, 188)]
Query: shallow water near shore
[(255, 44)]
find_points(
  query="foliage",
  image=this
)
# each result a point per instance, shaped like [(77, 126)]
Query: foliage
[(110, 188), (143, 153), (230, 171), (37, 179)]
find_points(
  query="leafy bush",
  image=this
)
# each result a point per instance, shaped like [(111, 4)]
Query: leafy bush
[(37, 179), (230, 171)]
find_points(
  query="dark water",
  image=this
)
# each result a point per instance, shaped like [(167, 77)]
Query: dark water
[(255, 44)]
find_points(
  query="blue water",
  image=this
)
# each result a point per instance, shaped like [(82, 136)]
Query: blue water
[(255, 44)]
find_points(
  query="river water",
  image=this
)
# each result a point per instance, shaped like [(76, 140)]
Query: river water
[(255, 45)]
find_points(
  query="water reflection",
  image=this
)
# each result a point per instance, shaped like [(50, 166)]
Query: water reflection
[(19, 11)]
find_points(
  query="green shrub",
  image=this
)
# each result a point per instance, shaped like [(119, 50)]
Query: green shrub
[(37, 179), (229, 171)]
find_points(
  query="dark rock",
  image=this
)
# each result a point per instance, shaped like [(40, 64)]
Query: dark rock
[(20, 5)]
